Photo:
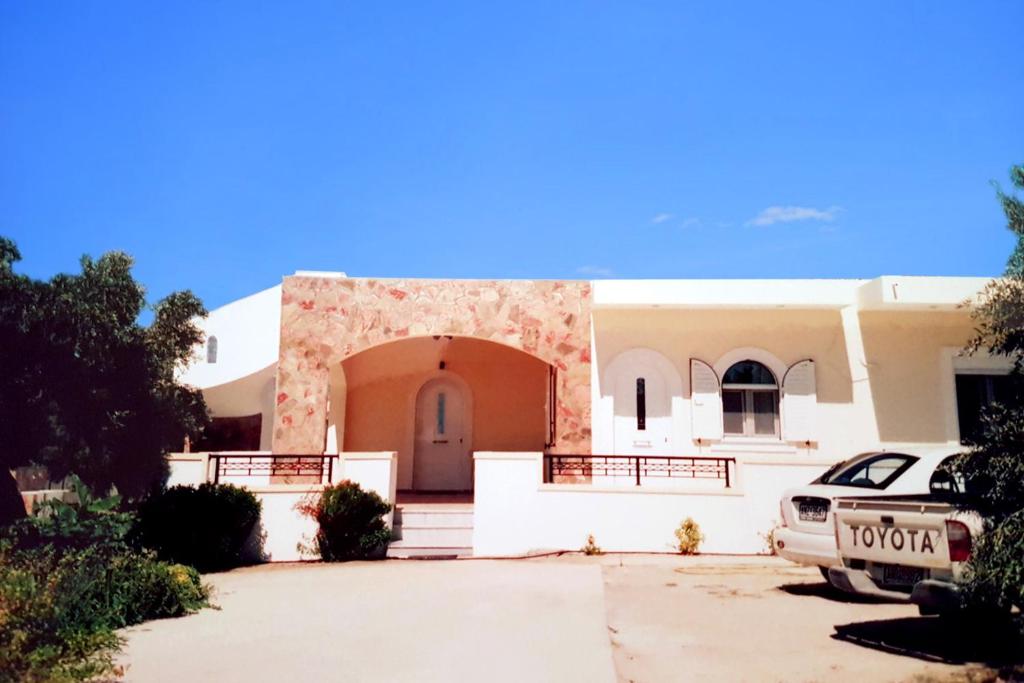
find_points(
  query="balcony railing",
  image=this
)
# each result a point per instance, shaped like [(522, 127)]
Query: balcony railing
[(638, 467), (238, 466)]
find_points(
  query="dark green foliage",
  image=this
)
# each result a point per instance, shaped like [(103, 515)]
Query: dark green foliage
[(997, 565), (84, 387), (68, 578), (89, 522), (206, 527), (994, 468), (351, 522)]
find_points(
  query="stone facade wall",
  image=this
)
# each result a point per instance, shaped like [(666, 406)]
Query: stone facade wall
[(325, 320)]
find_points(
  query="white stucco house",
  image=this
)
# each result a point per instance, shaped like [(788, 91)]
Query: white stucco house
[(504, 417)]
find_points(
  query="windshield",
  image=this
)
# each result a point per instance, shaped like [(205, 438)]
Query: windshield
[(873, 472)]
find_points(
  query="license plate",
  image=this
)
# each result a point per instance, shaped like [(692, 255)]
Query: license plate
[(899, 575), (812, 513)]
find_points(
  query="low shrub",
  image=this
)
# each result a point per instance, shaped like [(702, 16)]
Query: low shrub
[(206, 526), (68, 578), (40, 640), (62, 526), (351, 522), (591, 547), (688, 537)]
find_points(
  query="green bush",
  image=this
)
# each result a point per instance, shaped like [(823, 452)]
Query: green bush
[(351, 522), (206, 527), (39, 637), (68, 578), (58, 610), (56, 524)]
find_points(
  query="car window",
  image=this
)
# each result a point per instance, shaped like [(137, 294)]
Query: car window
[(875, 472), (943, 481)]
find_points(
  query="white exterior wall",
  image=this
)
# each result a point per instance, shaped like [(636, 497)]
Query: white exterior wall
[(282, 531), (884, 352), (514, 513)]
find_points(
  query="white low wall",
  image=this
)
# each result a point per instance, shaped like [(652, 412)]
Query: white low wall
[(282, 530), (515, 513), (186, 469)]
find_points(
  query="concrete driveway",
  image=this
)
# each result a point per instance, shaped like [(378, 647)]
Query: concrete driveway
[(571, 618), (386, 621), (763, 619)]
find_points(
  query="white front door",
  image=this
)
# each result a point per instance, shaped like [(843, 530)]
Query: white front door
[(441, 461), (643, 412)]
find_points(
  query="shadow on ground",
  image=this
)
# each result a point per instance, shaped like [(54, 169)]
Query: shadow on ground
[(825, 591), (938, 640)]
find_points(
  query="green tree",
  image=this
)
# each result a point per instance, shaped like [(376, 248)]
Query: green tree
[(994, 467), (86, 389)]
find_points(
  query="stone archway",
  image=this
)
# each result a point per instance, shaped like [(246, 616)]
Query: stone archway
[(325, 320)]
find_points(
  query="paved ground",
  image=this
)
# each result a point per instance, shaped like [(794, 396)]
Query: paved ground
[(767, 620), (571, 618), (386, 621)]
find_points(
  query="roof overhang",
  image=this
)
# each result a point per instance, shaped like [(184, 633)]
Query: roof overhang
[(886, 292)]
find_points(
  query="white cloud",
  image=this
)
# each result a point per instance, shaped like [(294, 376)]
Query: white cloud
[(788, 214), (662, 217), (597, 271), (692, 222)]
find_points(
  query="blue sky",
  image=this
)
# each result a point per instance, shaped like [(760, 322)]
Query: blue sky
[(227, 144)]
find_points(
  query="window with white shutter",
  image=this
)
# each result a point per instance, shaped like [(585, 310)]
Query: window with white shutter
[(705, 401), (799, 403)]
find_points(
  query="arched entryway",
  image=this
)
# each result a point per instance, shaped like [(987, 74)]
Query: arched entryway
[(327, 320), (436, 400)]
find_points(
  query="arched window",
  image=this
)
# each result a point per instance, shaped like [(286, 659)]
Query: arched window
[(211, 350), (750, 400)]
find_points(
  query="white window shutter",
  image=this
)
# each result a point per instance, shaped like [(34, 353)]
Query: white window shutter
[(705, 401), (799, 403)]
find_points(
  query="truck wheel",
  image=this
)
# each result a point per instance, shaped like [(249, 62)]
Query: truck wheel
[(824, 574)]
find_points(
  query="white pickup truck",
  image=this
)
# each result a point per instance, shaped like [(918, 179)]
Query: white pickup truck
[(904, 548)]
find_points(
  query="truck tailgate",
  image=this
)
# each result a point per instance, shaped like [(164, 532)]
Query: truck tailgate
[(912, 534)]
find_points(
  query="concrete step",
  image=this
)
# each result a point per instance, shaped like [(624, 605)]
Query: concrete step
[(441, 517), (432, 536)]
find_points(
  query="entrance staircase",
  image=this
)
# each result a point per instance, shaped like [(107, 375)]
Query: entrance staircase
[(432, 530)]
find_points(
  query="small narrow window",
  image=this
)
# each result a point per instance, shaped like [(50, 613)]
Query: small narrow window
[(440, 413), (641, 404), (211, 350)]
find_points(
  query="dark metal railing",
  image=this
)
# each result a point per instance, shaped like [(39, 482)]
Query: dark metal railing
[(228, 465), (639, 467)]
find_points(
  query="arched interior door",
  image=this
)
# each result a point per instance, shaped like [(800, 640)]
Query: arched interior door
[(441, 461)]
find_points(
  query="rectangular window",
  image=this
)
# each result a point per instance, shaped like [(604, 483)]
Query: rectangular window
[(641, 404), (749, 412), (732, 411), (973, 394), (764, 412), (440, 413)]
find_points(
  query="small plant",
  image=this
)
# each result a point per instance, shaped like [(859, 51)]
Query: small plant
[(769, 540), (688, 537), (591, 547), (206, 527), (351, 522)]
